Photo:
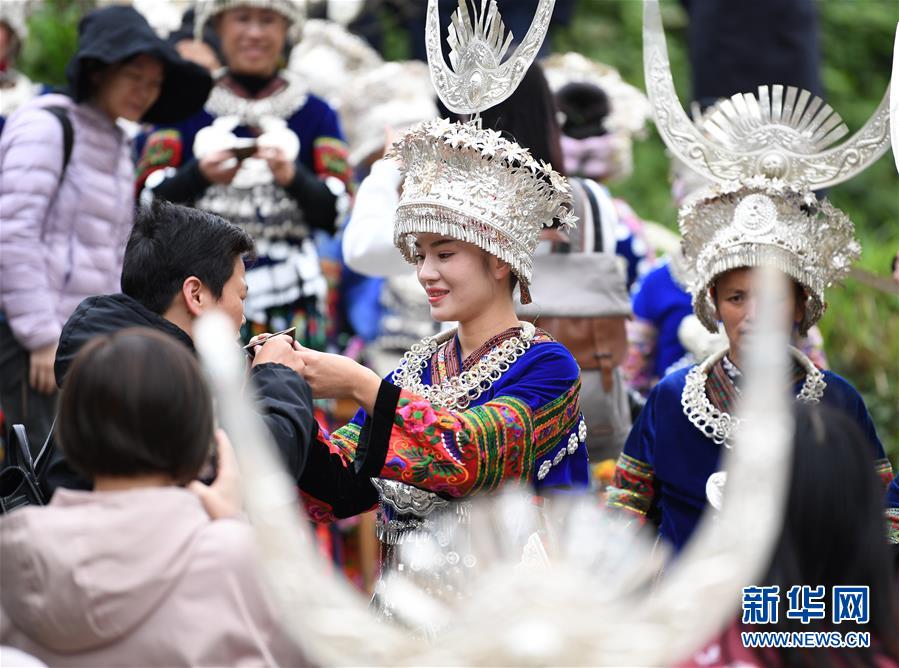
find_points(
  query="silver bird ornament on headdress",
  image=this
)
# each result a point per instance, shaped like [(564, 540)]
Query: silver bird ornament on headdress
[(481, 75)]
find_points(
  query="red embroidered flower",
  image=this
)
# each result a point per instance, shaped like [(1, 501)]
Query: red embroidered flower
[(417, 416)]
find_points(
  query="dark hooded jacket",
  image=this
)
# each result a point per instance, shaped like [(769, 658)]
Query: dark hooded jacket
[(283, 397), (118, 33)]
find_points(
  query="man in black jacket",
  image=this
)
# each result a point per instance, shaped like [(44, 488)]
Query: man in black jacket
[(178, 263)]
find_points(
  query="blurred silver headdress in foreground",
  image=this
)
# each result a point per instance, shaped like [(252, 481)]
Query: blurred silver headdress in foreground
[(589, 603), (765, 153)]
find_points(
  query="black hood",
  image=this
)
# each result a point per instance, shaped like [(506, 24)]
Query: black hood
[(117, 33), (108, 314)]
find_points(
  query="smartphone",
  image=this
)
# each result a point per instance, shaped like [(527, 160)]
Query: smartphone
[(210, 468), (245, 150)]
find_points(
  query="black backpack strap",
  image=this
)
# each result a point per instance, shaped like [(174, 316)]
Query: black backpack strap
[(68, 134), (597, 219)]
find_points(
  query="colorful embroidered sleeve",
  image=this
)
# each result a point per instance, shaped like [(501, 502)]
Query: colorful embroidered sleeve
[(633, 487), (892, 512), (162, 149), (331, 158), (460, 453), (884, 471), (331, 486), (330, 155), (533, 410)]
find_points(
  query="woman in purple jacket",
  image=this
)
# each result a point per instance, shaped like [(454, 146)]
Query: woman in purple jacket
[(67, 194)]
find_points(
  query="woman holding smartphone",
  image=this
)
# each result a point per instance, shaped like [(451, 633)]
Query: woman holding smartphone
[(265, 154)]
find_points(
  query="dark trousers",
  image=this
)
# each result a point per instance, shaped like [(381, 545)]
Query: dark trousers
[(20, 403)]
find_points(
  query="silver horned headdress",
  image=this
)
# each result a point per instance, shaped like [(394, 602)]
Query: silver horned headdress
[(463, 180), (764, 153)]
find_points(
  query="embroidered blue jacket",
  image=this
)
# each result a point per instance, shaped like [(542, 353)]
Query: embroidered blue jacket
[(666, 461)]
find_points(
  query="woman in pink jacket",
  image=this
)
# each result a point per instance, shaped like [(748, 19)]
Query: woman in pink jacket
[(67, 194), (152, 568)]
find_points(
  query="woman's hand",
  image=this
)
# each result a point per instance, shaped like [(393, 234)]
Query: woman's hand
[(40, 369), (339, 377), (277, 350), (283, 170), (219, 166), (222, 498)]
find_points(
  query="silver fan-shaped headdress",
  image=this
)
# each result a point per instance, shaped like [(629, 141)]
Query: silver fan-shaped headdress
[(464, 181), (765, 153)]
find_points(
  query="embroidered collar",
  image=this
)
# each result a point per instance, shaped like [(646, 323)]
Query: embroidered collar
[(289, 95), (445, 362), (458, 391), (719, 425)]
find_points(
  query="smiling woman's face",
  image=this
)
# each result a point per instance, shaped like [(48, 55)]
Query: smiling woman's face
[(461, 280), (252, 40)]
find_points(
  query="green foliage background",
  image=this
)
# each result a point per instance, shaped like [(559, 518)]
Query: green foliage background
[(861, 327)]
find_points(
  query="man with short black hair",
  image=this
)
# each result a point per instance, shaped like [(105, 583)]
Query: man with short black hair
[(180, 262)]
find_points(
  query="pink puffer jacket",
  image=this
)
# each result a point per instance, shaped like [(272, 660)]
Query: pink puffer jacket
[(60, 242)]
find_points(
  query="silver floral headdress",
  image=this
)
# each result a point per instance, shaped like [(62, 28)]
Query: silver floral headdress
[(463, 180), (293, 10), (764, 153), (469, 183)]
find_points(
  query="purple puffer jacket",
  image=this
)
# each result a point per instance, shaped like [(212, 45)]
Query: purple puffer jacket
[(60, 242)]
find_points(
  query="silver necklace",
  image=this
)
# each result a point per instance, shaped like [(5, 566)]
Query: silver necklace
[(721, 426), (459, 391), (285, 103)]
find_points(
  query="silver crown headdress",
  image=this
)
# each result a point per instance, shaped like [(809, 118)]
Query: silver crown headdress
[(463, 180), (765, 154), (293, 10)]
